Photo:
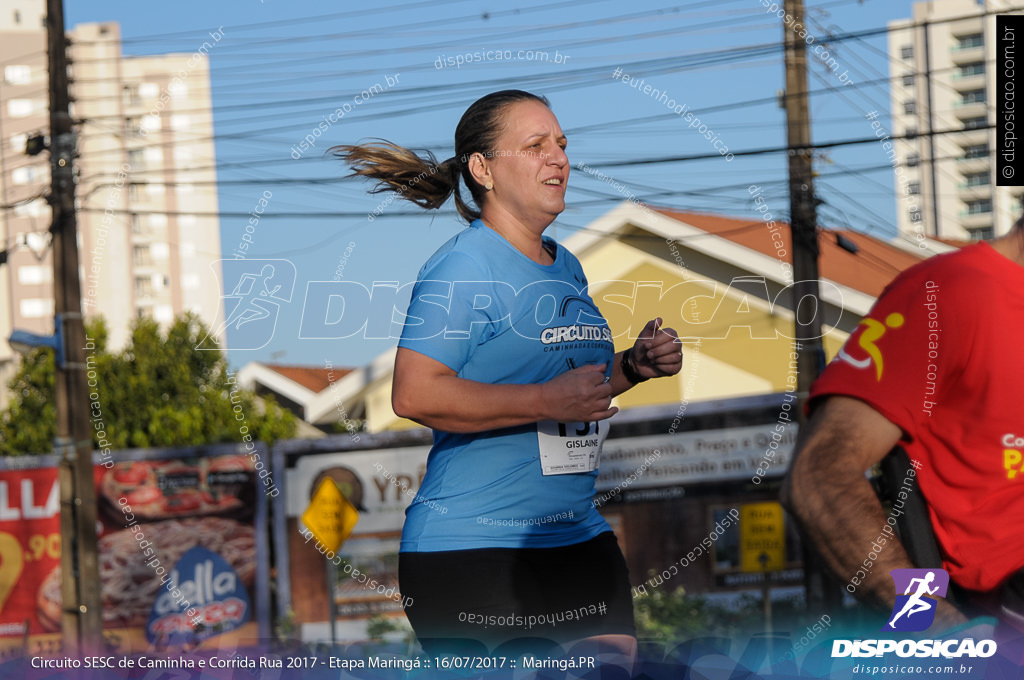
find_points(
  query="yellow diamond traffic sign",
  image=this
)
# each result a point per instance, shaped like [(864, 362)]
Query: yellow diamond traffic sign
[(330, 517)]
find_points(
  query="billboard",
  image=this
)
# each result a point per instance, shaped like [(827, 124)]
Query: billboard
[(181, 548)]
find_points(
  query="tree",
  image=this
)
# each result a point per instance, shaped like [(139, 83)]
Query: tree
[(674, 616), (157, 391)]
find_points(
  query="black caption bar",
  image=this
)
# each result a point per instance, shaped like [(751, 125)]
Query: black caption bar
[(1009, 146)]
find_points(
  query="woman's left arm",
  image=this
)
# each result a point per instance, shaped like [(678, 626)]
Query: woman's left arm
[(657, 353)]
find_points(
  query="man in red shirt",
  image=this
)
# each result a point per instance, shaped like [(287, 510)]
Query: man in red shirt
[(936, 366)]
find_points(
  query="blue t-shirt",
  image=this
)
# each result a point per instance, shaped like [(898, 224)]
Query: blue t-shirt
[(487, 311)]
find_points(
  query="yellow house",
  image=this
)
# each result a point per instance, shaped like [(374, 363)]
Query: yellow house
[(723, 283)]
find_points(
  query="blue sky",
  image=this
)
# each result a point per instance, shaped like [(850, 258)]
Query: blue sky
[(282, 67)]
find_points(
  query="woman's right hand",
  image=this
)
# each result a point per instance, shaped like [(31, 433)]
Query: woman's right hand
[(578, 396)]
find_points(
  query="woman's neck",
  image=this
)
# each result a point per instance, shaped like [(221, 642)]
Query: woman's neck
[(527, 241)]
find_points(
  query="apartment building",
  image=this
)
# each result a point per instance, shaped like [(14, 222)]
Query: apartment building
[(942, 68), (149, 237)]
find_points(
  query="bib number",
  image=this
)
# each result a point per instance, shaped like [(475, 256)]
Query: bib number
[(570, 448)]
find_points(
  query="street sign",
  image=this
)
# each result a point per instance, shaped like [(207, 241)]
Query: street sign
[(762, 537), (330, 517)]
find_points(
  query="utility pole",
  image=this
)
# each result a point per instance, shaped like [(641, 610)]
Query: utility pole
[(807, 309), (81, 618)]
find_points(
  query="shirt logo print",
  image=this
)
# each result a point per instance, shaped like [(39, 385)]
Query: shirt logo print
[(873, 332)]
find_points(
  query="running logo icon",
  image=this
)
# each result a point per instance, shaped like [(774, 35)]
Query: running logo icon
[(258, 289), (915, 608), (873, 332)]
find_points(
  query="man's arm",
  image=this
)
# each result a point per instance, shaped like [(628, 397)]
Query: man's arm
[(834, 504)]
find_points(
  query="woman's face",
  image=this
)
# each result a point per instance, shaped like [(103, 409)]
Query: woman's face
[(529, 168)]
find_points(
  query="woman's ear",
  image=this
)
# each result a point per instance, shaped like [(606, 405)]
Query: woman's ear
[(479, 169)]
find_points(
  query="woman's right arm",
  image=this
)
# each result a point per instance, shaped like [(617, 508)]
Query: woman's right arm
[(430, 393)]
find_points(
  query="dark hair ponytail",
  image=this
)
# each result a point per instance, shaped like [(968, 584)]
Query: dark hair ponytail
[(421, 179)]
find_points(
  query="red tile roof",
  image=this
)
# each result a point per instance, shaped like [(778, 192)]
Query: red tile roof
[(869, 270), (311, 377)]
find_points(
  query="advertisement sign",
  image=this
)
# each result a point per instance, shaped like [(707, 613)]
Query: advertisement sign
[(175, 527)]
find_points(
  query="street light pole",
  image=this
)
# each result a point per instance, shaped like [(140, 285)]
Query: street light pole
[(81, 618)]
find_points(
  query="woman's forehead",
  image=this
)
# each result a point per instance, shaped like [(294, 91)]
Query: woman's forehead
[(524, 120)]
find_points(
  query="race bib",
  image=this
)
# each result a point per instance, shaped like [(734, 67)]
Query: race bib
[(569, 448)]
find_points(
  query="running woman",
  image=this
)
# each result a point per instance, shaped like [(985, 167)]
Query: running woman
[(506, 357)]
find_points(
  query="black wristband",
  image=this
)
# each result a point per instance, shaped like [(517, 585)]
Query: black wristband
[(628, 371)]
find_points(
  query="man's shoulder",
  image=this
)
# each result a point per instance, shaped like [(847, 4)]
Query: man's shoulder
[(962, 275)]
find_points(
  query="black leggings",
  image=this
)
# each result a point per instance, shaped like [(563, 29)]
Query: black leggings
[(494, 595)]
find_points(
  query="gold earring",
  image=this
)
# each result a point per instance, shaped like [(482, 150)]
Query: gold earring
[(489, 186)]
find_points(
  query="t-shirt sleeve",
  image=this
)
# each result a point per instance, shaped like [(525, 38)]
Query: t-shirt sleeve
[(454, 308), (891, 360)]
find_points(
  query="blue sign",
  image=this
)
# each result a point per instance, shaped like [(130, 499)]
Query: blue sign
[(200, 598)]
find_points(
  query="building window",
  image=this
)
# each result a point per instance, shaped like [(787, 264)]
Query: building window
[(907, 52), (140, 256), (909, 107), (910, 132), (20, 108), (981, 234), (914, 188), (34, 208), (908, 79), (26, 175), (36, 308), (976, 68), (131, 96), (915, 216), (133, 128), (975, 123), (137, 159), (913, 160), (143, 287), (17, 75), (976, 151), (34, 275), (150, 123), (979, 207), (973, 97), (977, 179), (966, 42), (137, 227)]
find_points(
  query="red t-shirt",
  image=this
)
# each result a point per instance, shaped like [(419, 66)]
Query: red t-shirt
[(941, 355)]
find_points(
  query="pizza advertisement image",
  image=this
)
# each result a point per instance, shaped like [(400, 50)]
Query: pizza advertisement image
[(178, 537), (29, 550)]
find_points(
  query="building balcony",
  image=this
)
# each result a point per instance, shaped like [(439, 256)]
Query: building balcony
[(973, 192), (967, 166), (975, 220), (963, 83), (969, 109), (976, 137), (965, 55)]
